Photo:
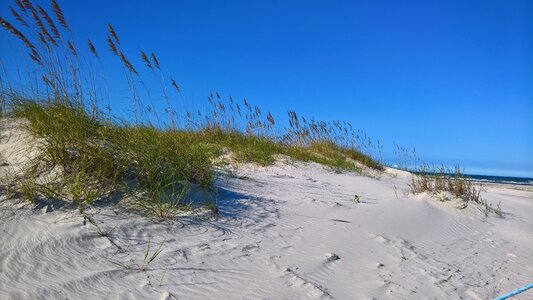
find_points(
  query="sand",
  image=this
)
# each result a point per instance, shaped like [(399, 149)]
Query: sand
[(288, 231)]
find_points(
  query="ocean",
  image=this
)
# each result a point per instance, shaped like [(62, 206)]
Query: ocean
[(501, 179)]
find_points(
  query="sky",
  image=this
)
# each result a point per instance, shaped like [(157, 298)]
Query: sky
[(454, 79)]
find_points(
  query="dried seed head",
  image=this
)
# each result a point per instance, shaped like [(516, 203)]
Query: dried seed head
[(43, 40), (20, 5), (127, 63), (27, 5), (175, 85), (18, 17), (270, 119), (155, 61), (34, 55), (92, 48), (46, 81), (16, 33), (146, 60), (59, 15), (51, 24), (112, 46), (113, 33), (72, 49), (43, 29)]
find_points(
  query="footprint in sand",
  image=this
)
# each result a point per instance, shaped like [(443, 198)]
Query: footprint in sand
[(331, 257), (168, 296), (250, 248)]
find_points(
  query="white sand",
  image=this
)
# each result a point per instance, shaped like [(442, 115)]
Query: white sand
[(285, 232)]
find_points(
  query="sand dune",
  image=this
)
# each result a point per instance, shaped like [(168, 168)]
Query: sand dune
[(289, 231)]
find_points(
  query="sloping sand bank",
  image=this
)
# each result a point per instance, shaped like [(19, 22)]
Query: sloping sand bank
[(284, 232)]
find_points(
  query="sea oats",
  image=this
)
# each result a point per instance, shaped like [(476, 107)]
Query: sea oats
[(175, 85), (27, 5), (146, 60), (43, 29), (18, 17), (113, 33), (72, 49), (59, 15), (34, 55), (92, 48), (127, 63), (51, 24), (21, 6), (112, 46), (16, 33), (155, 61)]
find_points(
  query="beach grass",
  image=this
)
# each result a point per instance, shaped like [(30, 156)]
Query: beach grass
[(86, 152), (438, 180)]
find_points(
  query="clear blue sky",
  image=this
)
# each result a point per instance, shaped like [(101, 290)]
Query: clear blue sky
[(452, 78)]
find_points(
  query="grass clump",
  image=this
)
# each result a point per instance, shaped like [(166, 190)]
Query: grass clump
[(439, 180), (94, 158)]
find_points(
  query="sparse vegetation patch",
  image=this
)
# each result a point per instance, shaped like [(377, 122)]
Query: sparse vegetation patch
[(439, 180)]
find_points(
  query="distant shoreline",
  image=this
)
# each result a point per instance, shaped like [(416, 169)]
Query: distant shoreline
[(501, 179), (511, 180)]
